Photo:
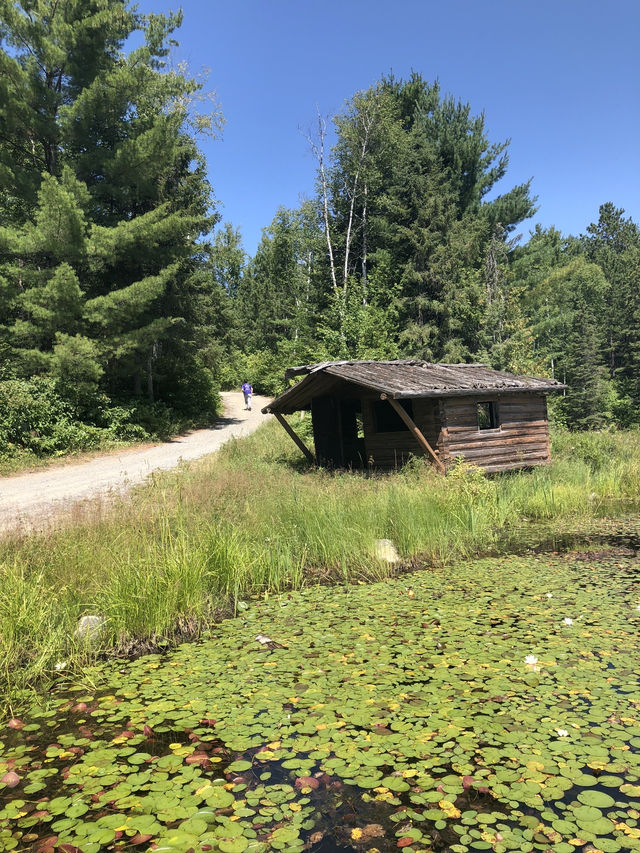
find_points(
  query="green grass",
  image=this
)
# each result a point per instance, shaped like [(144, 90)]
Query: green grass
[(250, 521)]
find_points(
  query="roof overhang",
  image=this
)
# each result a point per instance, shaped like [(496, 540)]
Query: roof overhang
[(327, 377)]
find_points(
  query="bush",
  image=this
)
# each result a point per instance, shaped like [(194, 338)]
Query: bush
[(30, 410), (36, 421)]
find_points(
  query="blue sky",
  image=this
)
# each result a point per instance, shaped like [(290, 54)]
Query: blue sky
[(561, 79)]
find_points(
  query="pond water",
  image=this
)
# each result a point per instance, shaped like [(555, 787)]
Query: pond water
[(489, 706)]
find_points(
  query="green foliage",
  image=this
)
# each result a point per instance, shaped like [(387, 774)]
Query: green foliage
[(29, 412), (410, 174), (39, 419), (580, 299), (598, 450), (49, 416), (103, 283), (281, 291)]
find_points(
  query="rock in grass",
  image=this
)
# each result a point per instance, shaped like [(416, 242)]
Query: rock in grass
[(89, 628), (385, 550)]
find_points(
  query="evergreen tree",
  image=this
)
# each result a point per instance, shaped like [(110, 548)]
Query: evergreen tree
[(279, 298), (228, 259), (409, 178), (614, 244), (575, 297), (105, 197)]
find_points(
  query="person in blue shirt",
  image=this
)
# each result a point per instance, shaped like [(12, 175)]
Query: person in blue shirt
[(247, 390)]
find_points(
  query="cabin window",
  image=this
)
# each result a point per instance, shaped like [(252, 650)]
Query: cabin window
[(387, 419), (488, 415)]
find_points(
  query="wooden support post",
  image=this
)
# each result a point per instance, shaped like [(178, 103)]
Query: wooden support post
[(422, 441), (289, 430)]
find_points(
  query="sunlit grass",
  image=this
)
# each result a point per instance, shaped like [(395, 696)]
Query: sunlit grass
[(252, 520)]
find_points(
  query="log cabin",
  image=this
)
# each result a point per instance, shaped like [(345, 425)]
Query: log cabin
[(377, 414)]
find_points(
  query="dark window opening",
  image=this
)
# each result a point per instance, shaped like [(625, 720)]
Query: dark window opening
[(385, 417), (488, 416)]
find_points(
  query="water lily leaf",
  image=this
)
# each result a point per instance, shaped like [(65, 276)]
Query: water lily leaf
[(583, 814), (239, 766), (596, 798), (233, 845)]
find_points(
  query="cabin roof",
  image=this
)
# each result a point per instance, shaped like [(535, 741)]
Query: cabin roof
[(404, 379)]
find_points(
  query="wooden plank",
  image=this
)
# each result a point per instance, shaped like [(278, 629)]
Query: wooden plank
[(504, 415), (504, 450), (493, 449), (489, 441), (503, 438), (503, 447), (296, 438), (510, 424), (414, 429), (506, 429), (519, 462)]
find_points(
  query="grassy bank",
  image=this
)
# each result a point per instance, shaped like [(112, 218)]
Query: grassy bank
[(251, 521)]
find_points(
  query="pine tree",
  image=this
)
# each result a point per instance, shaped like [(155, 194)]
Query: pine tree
[(105, 200), (409, 178), (614, 244), (575, 297)]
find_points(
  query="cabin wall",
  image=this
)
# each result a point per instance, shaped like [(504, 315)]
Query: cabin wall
[(450, 425), (520, 441), (390, 450)]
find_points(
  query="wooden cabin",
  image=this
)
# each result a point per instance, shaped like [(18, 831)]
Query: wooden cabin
[(379, 413)]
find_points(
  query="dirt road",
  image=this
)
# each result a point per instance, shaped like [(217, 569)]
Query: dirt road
[(31, 500)]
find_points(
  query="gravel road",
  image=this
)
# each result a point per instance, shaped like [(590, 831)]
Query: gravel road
[(29, 501)]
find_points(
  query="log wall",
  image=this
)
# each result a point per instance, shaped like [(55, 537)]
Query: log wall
[(521, 440), (450, 425), (393, 449)]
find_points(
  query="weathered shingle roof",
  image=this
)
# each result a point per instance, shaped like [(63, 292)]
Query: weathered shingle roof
[(405, 379)]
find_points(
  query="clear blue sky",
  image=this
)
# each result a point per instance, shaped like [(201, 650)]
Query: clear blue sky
[(561, 78)]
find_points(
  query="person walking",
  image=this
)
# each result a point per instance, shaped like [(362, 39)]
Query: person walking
[(247, 390)]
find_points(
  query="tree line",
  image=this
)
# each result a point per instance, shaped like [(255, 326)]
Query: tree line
[(409, 251), (125, 305)]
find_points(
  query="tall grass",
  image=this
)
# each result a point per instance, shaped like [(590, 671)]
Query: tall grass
[(194, 544)]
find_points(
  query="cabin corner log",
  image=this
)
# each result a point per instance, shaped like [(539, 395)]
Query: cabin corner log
[(294, 436), (402, 412)]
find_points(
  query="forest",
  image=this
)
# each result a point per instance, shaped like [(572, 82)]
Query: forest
[(126, 304)]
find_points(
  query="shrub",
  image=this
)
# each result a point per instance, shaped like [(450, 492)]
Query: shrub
[(30, 410)]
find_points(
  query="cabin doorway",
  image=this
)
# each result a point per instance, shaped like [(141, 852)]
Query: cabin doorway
[(336, 428)]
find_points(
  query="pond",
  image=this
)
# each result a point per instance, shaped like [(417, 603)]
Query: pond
[(493, 705)]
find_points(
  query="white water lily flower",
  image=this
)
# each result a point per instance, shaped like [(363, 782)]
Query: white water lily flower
[(637, 606), (530, 660), (61, 664), (568, 620), (562, 733), (549, 595)]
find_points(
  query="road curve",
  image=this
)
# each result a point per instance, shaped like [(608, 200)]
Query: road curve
[(29, 501)]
